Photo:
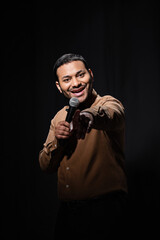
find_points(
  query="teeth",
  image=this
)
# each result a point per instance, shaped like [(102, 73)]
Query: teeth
[(77, 91)]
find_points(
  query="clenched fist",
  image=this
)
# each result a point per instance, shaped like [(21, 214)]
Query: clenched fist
[(82, 123), (62, 130)]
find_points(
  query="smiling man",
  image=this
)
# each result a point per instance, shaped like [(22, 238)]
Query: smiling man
[(92, 185)]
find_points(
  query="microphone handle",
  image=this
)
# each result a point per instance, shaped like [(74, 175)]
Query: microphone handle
[(68, 119), (70, 114)]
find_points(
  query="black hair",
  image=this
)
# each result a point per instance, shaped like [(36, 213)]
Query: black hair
[(67, 58)]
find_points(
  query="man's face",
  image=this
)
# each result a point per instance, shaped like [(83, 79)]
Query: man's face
[(75, 80)]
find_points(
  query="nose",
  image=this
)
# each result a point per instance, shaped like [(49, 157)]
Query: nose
[(75, 82)]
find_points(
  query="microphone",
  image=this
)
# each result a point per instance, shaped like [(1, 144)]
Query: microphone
[(73, 104)]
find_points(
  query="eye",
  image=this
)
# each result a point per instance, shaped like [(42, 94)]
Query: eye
[(81, 74), (66, 80)]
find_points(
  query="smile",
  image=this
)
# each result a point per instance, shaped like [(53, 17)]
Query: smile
[(78, 91)]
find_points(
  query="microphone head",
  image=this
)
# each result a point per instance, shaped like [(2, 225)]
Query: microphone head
[(74, 102)]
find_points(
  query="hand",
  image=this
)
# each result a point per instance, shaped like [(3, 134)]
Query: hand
[(62, 130), (82, 123)]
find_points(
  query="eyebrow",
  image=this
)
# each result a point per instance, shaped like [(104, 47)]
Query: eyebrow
[(80, 71), (66, 76)]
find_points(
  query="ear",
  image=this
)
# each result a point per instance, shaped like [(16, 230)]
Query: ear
[(91, 73), (58, 86)]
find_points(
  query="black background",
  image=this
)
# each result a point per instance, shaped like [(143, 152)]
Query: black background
[(121, 42)]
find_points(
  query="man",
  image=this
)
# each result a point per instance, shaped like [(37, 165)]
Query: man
[(88, 154)]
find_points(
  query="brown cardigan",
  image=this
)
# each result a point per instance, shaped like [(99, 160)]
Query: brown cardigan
[(92, 166)]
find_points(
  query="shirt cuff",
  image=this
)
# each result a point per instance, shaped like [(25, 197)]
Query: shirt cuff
[(49, 147)]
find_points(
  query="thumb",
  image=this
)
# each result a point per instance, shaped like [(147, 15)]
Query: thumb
[(89, 126), (76, 119)]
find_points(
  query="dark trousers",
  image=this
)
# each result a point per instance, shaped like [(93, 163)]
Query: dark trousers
[(99, 218)]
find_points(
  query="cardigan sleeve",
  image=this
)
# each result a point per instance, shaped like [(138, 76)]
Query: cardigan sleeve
[(52, 153), (108, 114)]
